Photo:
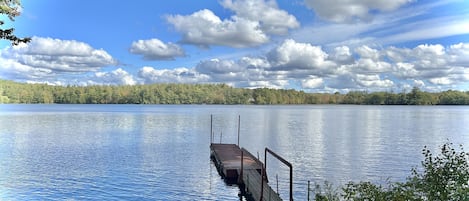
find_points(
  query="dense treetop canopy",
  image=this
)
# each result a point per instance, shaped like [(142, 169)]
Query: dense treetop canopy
[(13, 92)]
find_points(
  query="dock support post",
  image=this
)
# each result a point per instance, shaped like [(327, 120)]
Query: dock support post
[(262, 182), (240, 178), (211, 128), (239, 125), (241, 184), (276, 178)]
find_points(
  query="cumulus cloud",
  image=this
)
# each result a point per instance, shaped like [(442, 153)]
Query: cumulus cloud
[(272, 19), (352, 10), (312, 82), (342, 55), (154, 49), (434, 63), (47, 57), (293, 55), (116, 77), (272, 84), (288, 65), (217, 66), (12, 69), (224, 70), (458, 54), (59, 55), (203, 28), (343, 68), (177, 75), (253, 23), (373, 81)]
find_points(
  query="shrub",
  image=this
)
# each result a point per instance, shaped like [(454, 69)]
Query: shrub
[(444, 177)]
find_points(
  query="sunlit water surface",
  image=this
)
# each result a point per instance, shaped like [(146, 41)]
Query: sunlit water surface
[(161, 152)]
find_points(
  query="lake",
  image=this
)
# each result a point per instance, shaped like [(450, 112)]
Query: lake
[(161, 152)]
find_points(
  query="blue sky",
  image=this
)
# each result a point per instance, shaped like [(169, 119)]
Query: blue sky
[(310, 45)]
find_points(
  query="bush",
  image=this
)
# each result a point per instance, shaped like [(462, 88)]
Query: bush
[(444, 177)]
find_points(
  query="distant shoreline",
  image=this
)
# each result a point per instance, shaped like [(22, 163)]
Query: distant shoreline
[(213, 94)]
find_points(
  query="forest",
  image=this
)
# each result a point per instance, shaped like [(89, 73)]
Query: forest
[(14, 92)]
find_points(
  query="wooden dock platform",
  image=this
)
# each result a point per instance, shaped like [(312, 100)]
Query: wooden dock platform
[(238, 166)]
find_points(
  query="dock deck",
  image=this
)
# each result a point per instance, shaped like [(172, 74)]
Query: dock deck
[(239, 166)]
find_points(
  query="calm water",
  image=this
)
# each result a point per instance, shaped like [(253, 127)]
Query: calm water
[(161, 152)]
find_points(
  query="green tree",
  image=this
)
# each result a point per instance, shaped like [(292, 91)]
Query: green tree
[(11, 8), (454, 98), (376, 98), (355, 97)]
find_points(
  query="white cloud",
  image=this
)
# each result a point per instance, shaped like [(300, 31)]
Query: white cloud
[(366, 65), (458, 54), (352, 10), (116, 77), (217, 66), (154, 49), (46, 58), (419, 83), (293, 55), (253, 23), (177, 75), (373, 81), (342, 55), (367, 52), (405, 70), (273, 84), (434, 64), (312, 82), (59, 55), (204, 28), (421, 21), (11, 69), (441, 81), (429, 29), (344, 68), (254, 63), (272, 19)]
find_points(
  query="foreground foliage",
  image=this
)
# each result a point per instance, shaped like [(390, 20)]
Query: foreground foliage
[(10, 9), (13, 92), (441, 177)]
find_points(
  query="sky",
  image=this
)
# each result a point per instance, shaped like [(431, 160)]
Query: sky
[(311, 45)]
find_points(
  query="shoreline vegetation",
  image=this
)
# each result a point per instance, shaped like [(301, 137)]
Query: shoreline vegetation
[(14, 92), (443, 176)]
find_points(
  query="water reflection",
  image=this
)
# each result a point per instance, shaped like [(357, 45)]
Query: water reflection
[(161, 152)]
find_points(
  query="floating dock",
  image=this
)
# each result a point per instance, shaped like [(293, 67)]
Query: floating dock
[(237, 166)]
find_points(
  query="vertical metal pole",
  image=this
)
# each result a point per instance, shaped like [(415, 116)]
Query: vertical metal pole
[(308, 189), (264, 167), (286, 163), (239, 125), (211, 128), (291, 183)]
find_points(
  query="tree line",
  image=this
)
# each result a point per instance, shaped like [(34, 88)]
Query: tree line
[(14, 92)]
